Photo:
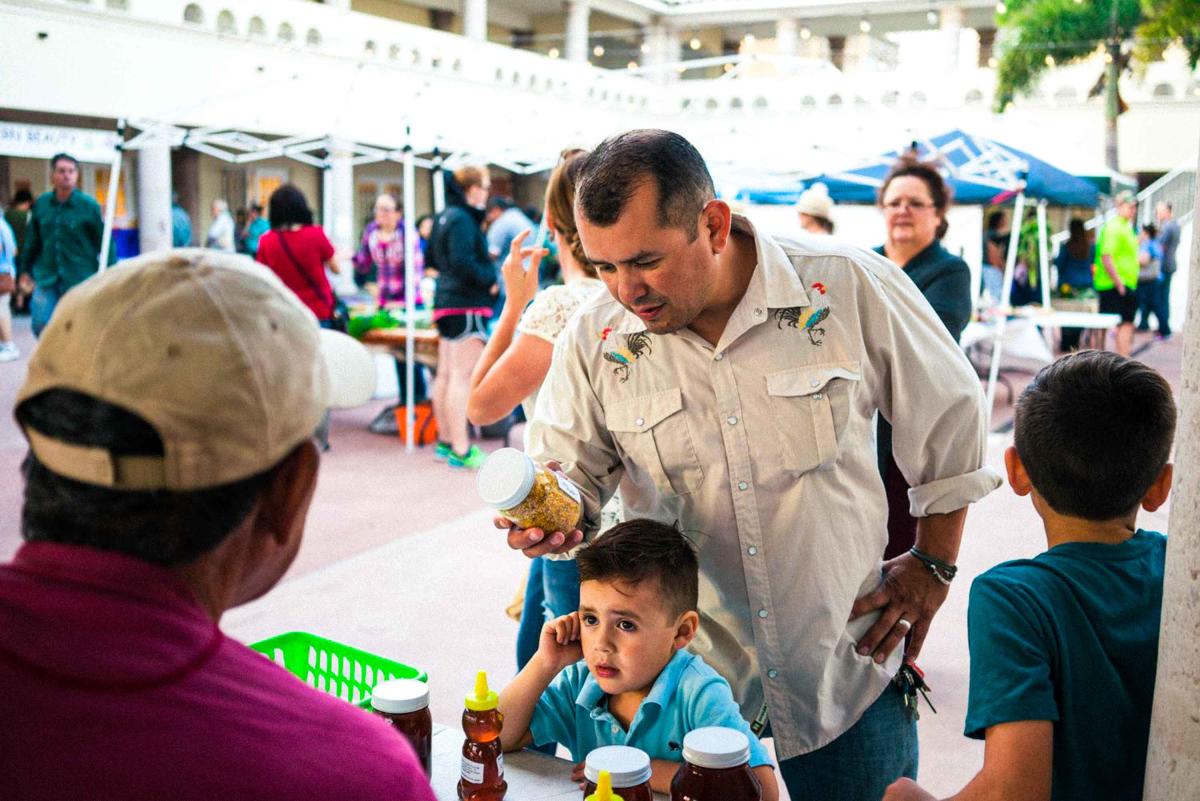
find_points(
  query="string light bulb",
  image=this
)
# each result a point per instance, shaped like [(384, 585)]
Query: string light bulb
[(1001, 7), (695, 43), (553, 52), (632, 65), (864, 25), (805, 32), (1049, 60), (931, 17), (598, 51)]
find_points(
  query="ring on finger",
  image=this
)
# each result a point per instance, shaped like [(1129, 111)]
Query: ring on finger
[(903, 624)]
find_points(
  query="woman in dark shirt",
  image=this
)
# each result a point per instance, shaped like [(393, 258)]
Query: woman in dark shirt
[(914, 199)]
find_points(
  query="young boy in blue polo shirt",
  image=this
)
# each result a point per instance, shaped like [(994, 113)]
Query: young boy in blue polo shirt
[(616, 672), (1064, 645)]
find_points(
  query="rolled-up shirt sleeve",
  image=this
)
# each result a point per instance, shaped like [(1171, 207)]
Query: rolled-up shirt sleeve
[(929, 392), (568, 427)]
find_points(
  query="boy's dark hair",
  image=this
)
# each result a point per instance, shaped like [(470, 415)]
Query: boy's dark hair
[(288, 206), (161, 526), (610, 174), (57, 157), (1094, 431), (22, 196), (1151, 230), (638, 550)]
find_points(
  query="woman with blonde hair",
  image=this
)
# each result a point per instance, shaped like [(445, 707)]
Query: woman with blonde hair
[(462, 307), (517, 358)]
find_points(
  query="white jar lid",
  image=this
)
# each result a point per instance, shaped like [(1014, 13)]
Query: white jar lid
[(505, 478), (716, 747), (398, 696), (629, 767)]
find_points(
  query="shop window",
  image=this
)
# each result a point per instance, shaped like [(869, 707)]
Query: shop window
[(257, 28), (286, 32), (193, 14), (312, 38), (226, 22)]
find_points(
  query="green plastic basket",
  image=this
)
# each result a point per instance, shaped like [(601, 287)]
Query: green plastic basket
[(331, 667)]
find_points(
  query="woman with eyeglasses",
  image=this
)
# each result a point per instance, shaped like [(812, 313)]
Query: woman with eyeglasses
[(914, 200)]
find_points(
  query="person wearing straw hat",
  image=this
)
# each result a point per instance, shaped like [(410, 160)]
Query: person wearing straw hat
[(815, 208), (170, 409)]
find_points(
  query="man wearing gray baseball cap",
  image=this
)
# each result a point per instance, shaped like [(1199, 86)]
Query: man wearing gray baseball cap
[(169, 408)]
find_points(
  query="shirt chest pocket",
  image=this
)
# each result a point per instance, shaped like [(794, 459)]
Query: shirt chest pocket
[(652, 429), (810, 407)]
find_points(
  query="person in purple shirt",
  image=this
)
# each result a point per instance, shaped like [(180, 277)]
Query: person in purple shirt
[(165, 484)]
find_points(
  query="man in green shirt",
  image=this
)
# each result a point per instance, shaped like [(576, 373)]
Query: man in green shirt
[(62, 243), (1115, 275)]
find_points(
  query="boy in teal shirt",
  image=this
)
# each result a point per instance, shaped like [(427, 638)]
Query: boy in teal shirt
[(616, 672), (1064, 645)]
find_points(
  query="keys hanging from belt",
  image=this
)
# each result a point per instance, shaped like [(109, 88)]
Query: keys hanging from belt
[(911, 680)]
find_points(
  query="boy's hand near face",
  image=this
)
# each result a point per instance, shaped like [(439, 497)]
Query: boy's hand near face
[(558, 648)]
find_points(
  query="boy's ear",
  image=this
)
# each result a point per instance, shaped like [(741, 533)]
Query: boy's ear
[(1156, 496), (1018, 479), (686, 628)]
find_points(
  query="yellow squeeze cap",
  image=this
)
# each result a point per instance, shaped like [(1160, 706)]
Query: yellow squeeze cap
[(483, 699), (603, 789)]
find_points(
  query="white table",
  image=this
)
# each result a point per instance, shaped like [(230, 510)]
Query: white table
[(531, 776)]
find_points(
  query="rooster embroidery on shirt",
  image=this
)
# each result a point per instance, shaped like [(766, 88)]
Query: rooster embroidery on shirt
[(806, 319), (637, 345)]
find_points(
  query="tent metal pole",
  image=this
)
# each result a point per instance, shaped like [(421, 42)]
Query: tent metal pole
[(1043, 254), (410, 292), (1010, 264), (110, 202), (439, 183)]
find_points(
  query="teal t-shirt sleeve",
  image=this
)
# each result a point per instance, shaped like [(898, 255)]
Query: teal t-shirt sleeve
[(553, 718), (712, 704), (1010, 657)]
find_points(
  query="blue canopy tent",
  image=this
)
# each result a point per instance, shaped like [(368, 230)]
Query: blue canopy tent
[(981, 172)]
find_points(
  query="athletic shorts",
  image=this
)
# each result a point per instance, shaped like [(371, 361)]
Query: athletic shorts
[(1113, 302), (461, 327)]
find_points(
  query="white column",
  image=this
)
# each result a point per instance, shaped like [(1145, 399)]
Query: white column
[(1173, 760), (952, 18), (786, 37), (475, 20), (662, 47), (577, 31), (339, 210), (154, 195)]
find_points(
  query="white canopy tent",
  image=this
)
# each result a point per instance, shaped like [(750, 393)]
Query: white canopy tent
[(238, 147)]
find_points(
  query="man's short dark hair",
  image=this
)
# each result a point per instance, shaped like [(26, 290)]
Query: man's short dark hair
[(639, 550), (499, 203), (161, 527), (288, 206), (1094, 431), (57, 157), (611, 173)]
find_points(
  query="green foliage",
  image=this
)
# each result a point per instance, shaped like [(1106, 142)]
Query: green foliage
[(1167, 20), (1066, 30)]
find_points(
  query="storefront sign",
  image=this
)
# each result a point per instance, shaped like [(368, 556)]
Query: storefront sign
[(43, 141)]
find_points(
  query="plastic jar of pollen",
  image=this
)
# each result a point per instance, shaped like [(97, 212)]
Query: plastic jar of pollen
[(628, 767), (528, 495), (405, 704), (716, 767)]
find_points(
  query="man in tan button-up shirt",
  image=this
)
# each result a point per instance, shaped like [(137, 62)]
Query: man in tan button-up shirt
[(732, 379)]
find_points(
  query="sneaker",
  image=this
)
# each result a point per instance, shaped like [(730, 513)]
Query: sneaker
[(1163, 337), (9, 352), (473, 459), (442, 451)]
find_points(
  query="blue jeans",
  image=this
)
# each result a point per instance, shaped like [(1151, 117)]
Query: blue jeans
[(1164, 304), (41, 307), (551, 591), (858, 766)]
